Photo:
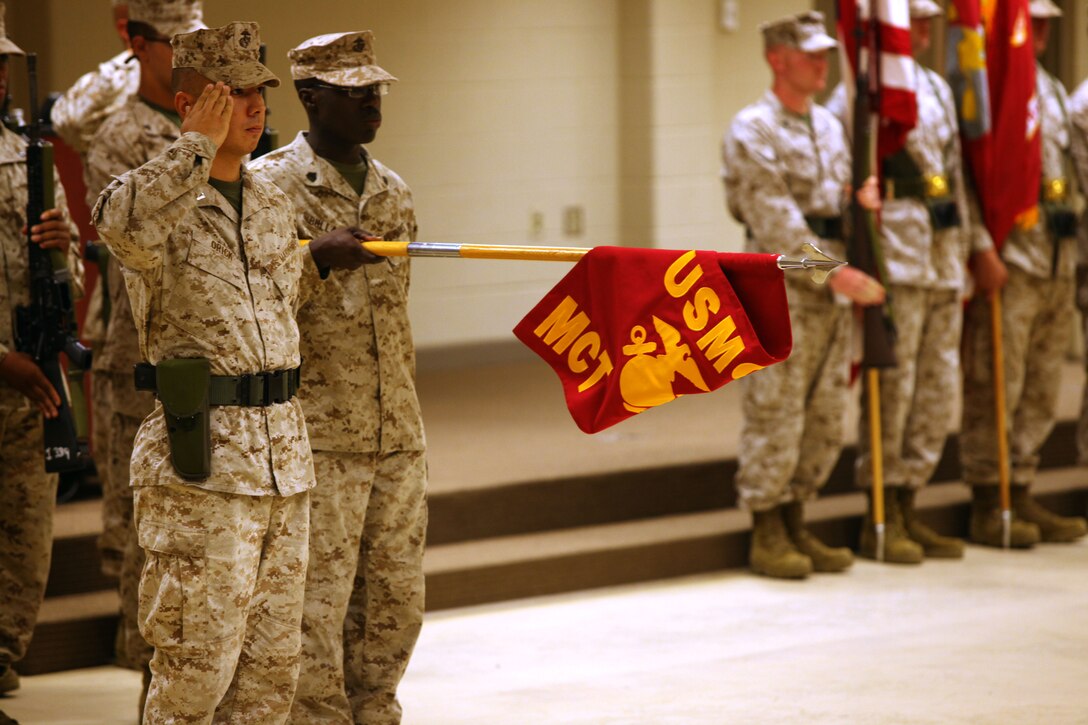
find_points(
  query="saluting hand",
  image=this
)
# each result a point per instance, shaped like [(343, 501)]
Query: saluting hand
[(858, 287), (210, 113), (343, 249), (21, 372), (52, 232)]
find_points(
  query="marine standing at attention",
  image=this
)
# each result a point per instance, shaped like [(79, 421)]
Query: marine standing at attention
[(786, 168), (368, 514)]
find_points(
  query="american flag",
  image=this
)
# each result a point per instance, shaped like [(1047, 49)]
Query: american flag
[(882, 29)]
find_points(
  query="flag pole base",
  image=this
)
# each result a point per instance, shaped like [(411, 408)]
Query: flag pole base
[(1006, 529), (880, 542)]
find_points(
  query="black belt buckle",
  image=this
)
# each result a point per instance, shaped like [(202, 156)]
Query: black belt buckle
[(276, 387)]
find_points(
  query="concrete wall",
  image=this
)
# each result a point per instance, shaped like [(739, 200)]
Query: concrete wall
[(509, 115)]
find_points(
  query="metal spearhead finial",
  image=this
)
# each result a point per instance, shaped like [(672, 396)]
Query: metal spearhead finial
[(812, 259)]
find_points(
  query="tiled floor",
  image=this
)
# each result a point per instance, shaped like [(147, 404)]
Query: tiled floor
[(999, 638)]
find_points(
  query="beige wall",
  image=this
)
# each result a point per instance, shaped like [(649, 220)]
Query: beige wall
[(511, 108)]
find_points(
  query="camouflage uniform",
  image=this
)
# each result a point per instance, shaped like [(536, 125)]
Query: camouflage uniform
[(1037, 305), (1078, 112), (926, 274), (365, 589), (128, 139), (221, 593), (95, 96), (779, 167), (27, 492)]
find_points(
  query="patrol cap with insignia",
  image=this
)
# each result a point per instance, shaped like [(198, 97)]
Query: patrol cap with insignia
[(921, 9), (168, 17), (342, 59), (804, 31), (230, 54), (1044, 9), (6, 46)]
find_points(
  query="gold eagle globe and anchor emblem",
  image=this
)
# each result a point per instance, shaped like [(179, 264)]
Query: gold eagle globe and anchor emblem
[(646, 379)]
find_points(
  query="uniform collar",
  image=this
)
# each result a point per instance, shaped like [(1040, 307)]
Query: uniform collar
[(319, 173), (254, 198)]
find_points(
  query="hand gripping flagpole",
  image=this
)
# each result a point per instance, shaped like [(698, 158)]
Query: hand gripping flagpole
[(812, 260)]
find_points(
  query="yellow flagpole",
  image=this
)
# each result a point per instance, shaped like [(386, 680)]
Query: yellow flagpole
[(876, 448), (1001, 417)]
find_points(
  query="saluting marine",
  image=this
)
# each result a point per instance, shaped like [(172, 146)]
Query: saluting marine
[(27, 492), (137, 132), (1034, 273), (222, 468), (364, 590), (786, 168)]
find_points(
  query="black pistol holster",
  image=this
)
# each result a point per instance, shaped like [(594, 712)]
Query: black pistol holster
[(182, 386)]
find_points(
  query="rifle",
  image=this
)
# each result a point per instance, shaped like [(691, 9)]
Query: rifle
[(270, 137), (47, 326), (863, 246)]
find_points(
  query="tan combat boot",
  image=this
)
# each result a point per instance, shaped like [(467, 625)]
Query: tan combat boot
[(986, 521), (899, 548), (824, 558), (9, 679), (772, 552), (1052, 527), (933, 544)]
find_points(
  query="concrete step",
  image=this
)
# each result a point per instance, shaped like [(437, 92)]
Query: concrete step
[(495, 569)]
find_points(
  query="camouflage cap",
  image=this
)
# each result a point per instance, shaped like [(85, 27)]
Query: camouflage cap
[(920, 9), (6, 46), (169, 17), (804, 31), (230, 54), (1044, 9), (342, 59)]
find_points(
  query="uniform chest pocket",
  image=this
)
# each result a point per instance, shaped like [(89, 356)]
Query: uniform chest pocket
[(216, 260)]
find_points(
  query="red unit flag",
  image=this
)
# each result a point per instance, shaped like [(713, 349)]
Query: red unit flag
[(630, 329)]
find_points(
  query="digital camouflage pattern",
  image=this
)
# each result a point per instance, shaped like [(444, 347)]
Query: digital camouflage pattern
[(27, 497), (779, 167), (364, 599), (927, 273), (179, 243), (78, 113), (128, 139), (804, 31), (221, 602), (358, 384), (27, 492), (1037, 314), (1078, 116), (229, 54), (342, 59), (365, 587), (168, 17)]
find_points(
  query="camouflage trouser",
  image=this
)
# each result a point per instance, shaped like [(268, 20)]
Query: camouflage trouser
[(27, 497), (364, 588), (221, 601), (917, 397), (111, 543), (1035, 327), (793, 412), (128, 408)]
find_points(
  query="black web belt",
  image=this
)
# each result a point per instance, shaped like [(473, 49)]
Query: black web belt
[(257, 389)]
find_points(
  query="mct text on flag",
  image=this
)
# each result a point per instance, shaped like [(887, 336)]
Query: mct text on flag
[(876, 37), (629, 329)]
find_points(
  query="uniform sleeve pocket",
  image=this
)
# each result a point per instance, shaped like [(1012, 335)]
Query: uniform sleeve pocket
[(173, 588)]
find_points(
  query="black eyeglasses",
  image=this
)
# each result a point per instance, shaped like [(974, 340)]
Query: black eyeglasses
[(362, 92)]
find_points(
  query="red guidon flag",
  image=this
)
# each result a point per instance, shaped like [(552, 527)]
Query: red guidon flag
[(628, 329), (992, 71)]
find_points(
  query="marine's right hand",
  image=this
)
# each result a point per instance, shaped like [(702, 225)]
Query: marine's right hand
[(21, 372), (858, 287), (989, 271), (210, 113)]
